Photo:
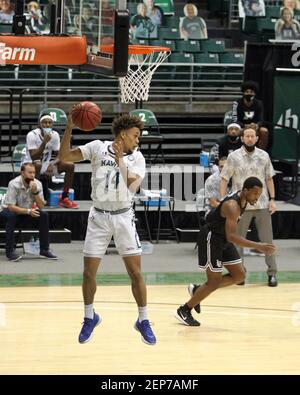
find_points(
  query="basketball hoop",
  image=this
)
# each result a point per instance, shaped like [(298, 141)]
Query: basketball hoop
[(143, 61)]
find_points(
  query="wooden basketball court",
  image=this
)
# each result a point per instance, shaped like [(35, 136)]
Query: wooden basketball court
[(244, 330)]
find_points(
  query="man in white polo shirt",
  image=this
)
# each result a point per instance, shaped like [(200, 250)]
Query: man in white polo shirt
[(22, 193)]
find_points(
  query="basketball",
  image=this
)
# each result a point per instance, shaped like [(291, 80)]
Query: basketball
[(86, 115)]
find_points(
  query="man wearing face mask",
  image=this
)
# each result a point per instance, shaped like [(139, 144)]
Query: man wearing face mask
[(248, 111), (250, 161), (24, 191), (231, 141), (41, 144)]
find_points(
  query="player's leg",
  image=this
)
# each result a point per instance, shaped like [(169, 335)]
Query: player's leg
[(97, 238), (234, 264), (129, 247), (68, 168)]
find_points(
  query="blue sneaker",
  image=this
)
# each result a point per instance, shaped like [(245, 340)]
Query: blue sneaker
[(86, 332), (146, 332)]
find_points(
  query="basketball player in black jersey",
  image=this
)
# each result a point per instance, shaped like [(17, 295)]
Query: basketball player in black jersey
[(216, 248)]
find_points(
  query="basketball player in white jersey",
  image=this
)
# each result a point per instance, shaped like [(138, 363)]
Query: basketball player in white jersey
[(118, 169), (41, 144)]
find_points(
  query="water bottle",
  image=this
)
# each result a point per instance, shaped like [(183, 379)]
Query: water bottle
[(204, 159), (200, 199)]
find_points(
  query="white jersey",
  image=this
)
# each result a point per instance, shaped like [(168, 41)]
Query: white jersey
[(109, 190), (33, 141)]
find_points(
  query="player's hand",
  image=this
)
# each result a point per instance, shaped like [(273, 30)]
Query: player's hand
[(268, 249), (34, 212), (118, 150), (33, 186), (70, 123), (50, 169), (47, 138)]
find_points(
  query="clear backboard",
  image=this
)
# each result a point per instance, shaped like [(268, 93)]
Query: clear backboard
[(91, 35)]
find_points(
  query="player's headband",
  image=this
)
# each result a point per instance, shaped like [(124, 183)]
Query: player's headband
[(44, 117)]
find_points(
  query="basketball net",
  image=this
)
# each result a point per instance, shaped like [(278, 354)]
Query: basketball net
[(142, 64)]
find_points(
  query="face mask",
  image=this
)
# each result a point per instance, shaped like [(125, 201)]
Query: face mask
[(248, 98), (233, 139), (249, 148), (47, 130)]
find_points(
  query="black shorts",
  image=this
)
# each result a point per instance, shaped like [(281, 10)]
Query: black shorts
[(214, 251)]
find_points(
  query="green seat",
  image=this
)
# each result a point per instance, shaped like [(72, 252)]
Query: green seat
[(205, 70), (273, 12), (232, 57), (166, 5), (18, 155), (233, 73), (191, 46), (214, 46), (172, 21), (168, 33), (164, 43), (266, 24), (150, 135), (58, 115), (249, 24), (5, 28)]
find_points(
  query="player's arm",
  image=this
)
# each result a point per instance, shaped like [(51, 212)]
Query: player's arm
[(133, 181), (36, 153), (231, 211), (66, 154)]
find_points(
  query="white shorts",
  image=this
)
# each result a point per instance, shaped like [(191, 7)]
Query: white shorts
[(101, 228)]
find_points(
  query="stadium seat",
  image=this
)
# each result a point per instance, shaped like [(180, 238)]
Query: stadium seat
[(168, 33), (166, 5), (214, 46), (273, 12), (190, 46), (18, 155), (172, 21), (151, 134)]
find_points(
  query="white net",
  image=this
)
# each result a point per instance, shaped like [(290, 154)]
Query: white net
[(135, 85)]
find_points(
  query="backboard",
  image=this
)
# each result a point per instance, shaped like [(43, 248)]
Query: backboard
[(68, 33), (103, 22)]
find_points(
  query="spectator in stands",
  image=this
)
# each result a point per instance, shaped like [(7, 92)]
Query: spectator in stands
[(248, 111), (192, 27), (36, 21), (212, 186), (41, 144), (89, 24), (231, 141), (24, 192), (154, 12), (247, 162), (251, 8), (141, 25), (287, 28), (293, 4), (6, 11)]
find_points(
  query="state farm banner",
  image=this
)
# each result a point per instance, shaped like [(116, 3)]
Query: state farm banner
[(42, 50)]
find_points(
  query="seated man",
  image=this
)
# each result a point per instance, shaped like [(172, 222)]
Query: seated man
[(248, 111), (231, 141), (41, 143), (22, 194)]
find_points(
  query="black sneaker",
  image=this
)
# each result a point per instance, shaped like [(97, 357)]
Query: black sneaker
[(272, 281), (185, 317), (13, 256), (48, 254), (192, 289)]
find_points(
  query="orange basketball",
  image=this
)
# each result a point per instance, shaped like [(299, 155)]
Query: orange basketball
[(86, 115)]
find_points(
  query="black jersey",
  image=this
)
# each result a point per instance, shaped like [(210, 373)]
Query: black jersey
[(214, 220)]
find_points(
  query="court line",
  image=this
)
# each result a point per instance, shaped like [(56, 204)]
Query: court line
[(72, 307), (153, 303)]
